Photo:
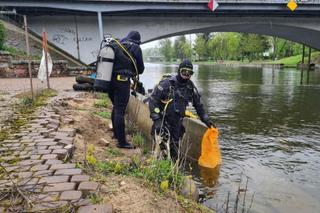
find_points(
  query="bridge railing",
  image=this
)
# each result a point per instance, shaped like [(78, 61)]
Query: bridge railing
[(248, 1), (219, 1), (227, 1), (268, 1)]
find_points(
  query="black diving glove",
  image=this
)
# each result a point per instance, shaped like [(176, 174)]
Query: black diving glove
[(209, 123), (134, 93)]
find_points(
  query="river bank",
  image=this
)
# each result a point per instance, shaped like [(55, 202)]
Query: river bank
[(121, 180), (288, 62)]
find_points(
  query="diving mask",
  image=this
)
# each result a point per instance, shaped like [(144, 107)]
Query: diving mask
[(186, 72)]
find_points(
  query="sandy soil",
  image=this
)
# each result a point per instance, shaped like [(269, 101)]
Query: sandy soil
[(126, 194)]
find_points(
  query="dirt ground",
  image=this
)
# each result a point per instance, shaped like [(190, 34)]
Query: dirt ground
[(126, 194)]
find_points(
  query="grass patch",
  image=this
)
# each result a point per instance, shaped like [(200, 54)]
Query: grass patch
[(102, 103), (4, 134), (103, 114), (101, 95), (95, 199), (40, 97), (294, 60), (25, 107), (110, 152), (152, 171), (138, 140), (21, 54)]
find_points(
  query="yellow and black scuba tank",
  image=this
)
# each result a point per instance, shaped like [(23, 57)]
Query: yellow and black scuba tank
[(105, 63)]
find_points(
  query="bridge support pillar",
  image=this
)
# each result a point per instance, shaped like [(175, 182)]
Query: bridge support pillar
[(100, 25)]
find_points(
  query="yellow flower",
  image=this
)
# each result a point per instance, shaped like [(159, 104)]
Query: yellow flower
[(91, 160), (118, 168), (90, 149), (164, 185)]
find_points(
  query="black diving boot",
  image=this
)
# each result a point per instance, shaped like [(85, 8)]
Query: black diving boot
[(125, 146)]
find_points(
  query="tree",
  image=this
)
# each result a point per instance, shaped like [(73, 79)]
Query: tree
[(2, 36), (166, 49), (224, 46), (178, 47), (287, 48), (187, 50), (253, 46), (201, 47)]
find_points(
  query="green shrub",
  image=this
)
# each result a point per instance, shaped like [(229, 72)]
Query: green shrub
[(138, 140), (26, 101), (153, 171), (158, 171), (2, 36)]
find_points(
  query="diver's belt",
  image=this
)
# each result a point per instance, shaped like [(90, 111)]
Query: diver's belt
[(122, 78)]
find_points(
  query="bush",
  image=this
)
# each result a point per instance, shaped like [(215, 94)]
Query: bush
[(2, 36)]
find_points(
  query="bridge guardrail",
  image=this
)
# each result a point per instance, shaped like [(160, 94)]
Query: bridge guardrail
[(267, 1), (223, 1)]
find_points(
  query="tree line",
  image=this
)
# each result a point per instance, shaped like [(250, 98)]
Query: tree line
[(226, 46)]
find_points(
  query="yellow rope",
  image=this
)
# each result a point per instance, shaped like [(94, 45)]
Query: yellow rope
[(133, 61)]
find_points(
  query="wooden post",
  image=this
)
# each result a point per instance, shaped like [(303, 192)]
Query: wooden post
[(301, 76), (309, 57), (309, 65), (28, 53), (303, 53), (45, 47)]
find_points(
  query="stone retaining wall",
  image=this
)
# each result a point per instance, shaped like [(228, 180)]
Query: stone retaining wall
[(10, 68)]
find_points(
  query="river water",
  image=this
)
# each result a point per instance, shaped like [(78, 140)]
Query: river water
[(269, 135)]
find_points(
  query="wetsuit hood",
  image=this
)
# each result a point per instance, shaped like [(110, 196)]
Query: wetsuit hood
[(133, 36)]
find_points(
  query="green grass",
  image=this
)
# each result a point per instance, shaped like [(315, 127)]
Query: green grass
[(102, 103), (138, 140), (110, 152), (40, 97), (24, 109), (294, 60), (152, 171), (15, 52), (103, 114)]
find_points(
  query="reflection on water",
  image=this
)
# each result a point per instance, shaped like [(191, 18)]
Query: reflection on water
[(269, 130)]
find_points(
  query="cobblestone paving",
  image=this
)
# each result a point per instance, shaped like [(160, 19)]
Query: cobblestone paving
[(36, 161)]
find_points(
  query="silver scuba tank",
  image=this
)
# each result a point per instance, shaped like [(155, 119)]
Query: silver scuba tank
[(104, 66)]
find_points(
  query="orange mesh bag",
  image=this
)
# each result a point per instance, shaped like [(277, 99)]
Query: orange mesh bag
[(210, 151)]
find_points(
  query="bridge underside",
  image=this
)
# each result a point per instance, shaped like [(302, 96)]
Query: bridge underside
[(79, 35)]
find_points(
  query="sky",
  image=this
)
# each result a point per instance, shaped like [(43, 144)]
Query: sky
[(156, 42), (150, 44)]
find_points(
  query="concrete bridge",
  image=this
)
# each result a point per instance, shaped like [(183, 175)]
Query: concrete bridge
[(77, 26)]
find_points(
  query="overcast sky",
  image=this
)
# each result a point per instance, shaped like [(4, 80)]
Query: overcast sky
[(156, 43)]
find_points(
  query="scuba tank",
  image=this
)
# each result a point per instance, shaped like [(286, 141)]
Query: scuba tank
[(104, 65)]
